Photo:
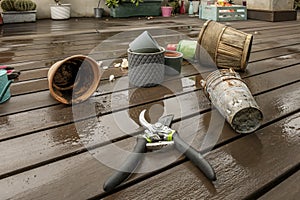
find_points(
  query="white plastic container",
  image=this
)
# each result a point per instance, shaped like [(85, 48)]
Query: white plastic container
[(60, 12)]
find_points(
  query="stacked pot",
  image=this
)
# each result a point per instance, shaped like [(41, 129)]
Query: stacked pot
[(146, 60)]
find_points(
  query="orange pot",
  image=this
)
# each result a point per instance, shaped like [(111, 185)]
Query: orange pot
[(74, 79)]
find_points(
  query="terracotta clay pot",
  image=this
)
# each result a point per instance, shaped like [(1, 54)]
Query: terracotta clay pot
[(74, 79)]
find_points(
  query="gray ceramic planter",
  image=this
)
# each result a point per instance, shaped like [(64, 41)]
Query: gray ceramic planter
[(146, 69)]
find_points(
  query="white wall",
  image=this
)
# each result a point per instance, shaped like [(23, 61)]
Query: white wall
[(79, 8), (273, 5)]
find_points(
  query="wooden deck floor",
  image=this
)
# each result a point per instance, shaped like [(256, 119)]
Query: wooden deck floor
[(52, 151)]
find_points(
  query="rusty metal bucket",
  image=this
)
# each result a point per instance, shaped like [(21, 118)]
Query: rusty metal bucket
[(231, 96)]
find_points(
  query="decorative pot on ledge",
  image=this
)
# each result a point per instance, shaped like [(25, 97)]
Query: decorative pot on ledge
[(166, 11), (60, 12), (19, 16), (145, 8), (18, 11)]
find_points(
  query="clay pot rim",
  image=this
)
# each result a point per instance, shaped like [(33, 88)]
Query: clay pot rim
[(176, 54), (94, 87)]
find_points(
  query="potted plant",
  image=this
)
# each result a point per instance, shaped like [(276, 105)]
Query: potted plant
[(196, 4), (98, 11), (297, 4), (175, 5), (166, 11), (60, 11), (16, 11), (129, 8)]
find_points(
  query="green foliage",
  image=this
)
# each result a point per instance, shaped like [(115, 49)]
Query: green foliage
[(112, 3), (175, 5), (57, 2), (297, 4), (18, 5), (136, 2), (24, 5), (116, 3), (8, 5)]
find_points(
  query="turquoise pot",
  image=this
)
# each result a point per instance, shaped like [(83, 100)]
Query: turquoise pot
[(4, 86), (146, 8)]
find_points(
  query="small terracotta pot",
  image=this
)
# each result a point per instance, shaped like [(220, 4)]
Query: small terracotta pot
[(173, 61), (74, 79)]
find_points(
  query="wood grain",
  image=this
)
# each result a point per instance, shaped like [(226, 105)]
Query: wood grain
[(53, 151)]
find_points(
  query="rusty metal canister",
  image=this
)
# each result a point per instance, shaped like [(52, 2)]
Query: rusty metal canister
[(231, 96)]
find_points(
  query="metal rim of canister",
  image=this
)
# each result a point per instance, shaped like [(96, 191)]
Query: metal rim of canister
[(213, 76)]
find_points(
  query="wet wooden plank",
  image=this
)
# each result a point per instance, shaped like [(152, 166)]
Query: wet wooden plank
[(288, 189), (67, 135), (71, 43), (48, 117), (242, 167), (254, 56), (43, 97), (284, 76), (268, 83), (43, 27), (63, 139), (258, 43), (47, 56), (291, 59), (82, 39), (264, 66), (96, 173), (281, 42), (275, 52), (70, 168)]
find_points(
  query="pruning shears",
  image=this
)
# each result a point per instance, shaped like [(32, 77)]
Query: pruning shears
[(156, 136)]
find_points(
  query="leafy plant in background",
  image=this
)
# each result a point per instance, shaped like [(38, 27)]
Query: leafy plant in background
[(112, 3), (116, 3), (57, 2), (297, 4), (18, 5), (174, 4)]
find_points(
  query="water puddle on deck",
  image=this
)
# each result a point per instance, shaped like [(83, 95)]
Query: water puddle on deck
[(291, 130)]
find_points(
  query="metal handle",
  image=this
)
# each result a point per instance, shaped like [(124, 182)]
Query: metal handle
[(194, 156), (128, 166)]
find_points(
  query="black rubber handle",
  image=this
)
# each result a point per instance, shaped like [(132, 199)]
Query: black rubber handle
[(128, 166), (194, 156)]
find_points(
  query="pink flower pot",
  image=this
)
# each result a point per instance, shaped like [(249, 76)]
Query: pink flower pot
[(166, 11)]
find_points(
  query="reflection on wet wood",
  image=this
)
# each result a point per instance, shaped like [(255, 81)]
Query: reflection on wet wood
[(289, 187), (53, 151), (237, 176)]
